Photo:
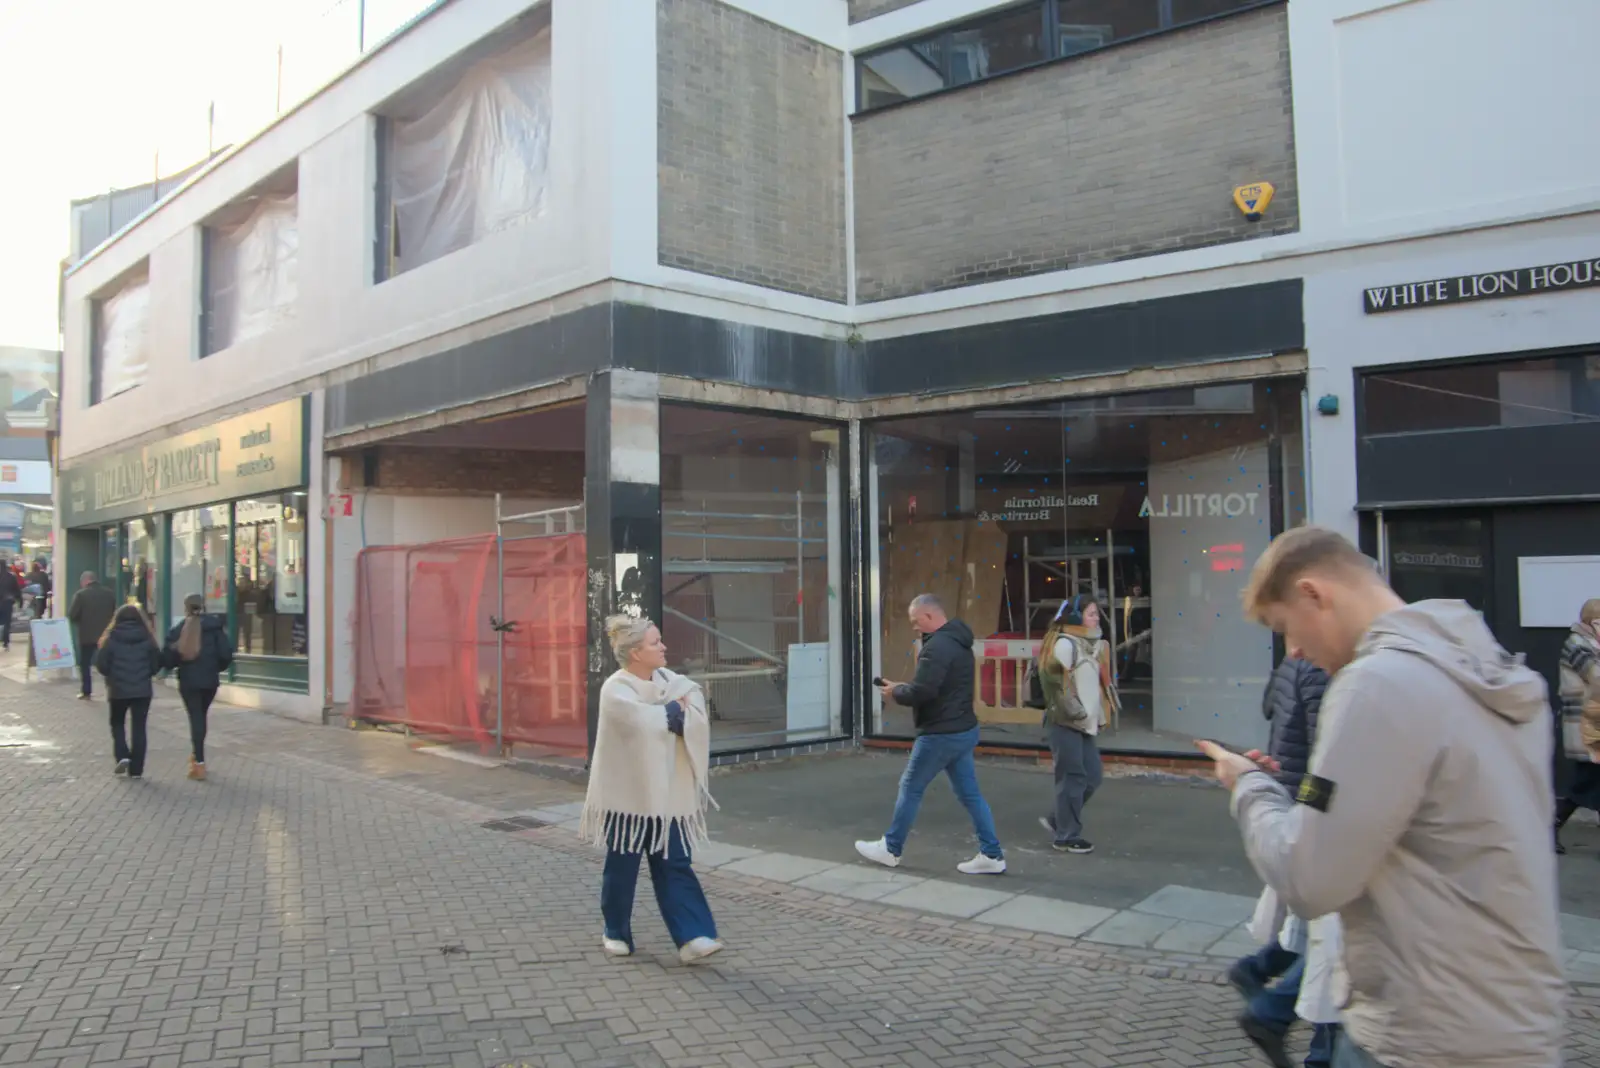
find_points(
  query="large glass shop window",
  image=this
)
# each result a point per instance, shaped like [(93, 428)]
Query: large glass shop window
[(199, 560), (269, 594), (141, 545), (1153, 505), (752, 571)]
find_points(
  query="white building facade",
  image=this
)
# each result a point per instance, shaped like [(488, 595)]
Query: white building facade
[(780, 313)]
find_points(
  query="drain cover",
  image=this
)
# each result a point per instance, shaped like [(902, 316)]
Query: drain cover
[(514, 823)]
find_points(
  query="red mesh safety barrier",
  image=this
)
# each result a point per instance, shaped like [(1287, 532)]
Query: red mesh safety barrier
[(427, 654)]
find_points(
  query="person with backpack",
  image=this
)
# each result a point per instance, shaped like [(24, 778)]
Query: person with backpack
[(200, 650), (1074, 671), (129, 658)]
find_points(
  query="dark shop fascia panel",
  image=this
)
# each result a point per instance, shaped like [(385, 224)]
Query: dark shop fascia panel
[(1193, 328), (1490, 464)]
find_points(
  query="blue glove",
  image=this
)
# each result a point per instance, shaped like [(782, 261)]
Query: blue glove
[(675, 718)]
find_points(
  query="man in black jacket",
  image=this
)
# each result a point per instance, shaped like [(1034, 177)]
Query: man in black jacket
[(940, 699), (1291, 702), (90, 614)]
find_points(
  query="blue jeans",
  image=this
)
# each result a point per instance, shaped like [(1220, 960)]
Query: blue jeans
[(953, 754), (86, 667), (1275, 1004), (683, 904)]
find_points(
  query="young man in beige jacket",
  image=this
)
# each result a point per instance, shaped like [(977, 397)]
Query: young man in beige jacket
[(1424, 821)]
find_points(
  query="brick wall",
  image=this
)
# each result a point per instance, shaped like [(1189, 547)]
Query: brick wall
[(751, 128), (537, 475), (1129, 152), (866, 9)]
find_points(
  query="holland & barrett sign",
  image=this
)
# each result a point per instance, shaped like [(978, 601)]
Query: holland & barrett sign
[(259, 453)]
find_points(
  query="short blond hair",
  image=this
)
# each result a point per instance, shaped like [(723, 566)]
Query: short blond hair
[(1590, 610), (626, 634), (1290, 556)]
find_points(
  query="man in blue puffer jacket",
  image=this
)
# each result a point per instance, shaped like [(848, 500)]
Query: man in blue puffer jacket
[(1293, 696)]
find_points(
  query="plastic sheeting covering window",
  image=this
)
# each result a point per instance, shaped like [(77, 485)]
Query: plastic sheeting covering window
[(253, 273), (478, 162), (122, 355)]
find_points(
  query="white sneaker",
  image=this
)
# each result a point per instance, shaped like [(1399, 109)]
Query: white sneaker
[(699, 949), (982, 865), (616, 947), (878, 853)]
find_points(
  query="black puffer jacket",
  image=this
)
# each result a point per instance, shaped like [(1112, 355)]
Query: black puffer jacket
[(129, 659), (204, 672), (940, 696), (1293, 698)]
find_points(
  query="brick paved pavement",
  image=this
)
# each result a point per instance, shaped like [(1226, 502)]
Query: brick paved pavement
[(330, 897)]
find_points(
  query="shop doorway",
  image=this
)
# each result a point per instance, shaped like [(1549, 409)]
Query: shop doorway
[(1478, 555)]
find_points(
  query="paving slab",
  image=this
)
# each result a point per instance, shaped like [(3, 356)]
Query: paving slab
[(708, 855), (948, 899), (1203, 906), (778, 867), (1191, 937), (1580, 932), (1130, 928), (1047, 916), (860, 881)]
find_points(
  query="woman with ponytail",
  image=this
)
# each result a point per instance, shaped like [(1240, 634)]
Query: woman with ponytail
[(200, 650)]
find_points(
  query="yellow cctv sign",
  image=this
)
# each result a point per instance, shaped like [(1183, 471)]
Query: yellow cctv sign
[(1253, 199)]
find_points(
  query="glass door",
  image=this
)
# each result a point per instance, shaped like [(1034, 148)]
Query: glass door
[(1439, 554)]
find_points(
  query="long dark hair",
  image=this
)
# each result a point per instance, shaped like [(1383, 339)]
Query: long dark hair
[(194, 610), (128, 612)]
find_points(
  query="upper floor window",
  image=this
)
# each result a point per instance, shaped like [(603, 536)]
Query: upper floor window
[(1019, 37), (1479, 396), (251, 265), (459, 164), (119, 346)]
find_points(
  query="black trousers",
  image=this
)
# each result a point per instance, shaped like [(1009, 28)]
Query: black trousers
[(121, 709), (86, 654), (6, 610), (197, 703)]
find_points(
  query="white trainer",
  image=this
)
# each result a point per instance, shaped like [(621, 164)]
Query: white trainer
[(697, 950), (616, 947), (878, 853), (982, 865)]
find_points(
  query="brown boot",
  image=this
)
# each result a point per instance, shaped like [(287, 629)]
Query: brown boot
[(197, 772)]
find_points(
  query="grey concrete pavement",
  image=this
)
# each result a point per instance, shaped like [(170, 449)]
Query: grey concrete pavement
[(333, 896)]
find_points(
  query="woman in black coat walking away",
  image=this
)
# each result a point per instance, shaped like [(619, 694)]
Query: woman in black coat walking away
[(129, 658), (200, 650)]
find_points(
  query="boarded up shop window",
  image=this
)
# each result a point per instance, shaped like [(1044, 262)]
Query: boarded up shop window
[(120, 355), (252, 270), (473, 162)]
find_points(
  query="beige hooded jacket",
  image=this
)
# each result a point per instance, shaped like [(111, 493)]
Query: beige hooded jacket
[(1425, 824)]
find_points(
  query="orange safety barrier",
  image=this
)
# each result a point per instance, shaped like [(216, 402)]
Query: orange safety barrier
[(427, 654)]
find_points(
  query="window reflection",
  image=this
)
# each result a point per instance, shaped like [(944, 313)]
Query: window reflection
[(752, 572), (269, 596), (1153, 505), (199, 560), (141, 548)]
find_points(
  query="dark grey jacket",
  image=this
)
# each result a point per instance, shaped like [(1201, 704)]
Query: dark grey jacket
[(940, 695), (204, 672), (1293, 698), (91, 611), (129, 659)]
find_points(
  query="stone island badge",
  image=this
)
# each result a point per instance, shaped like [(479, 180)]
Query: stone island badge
[(1315, 793)]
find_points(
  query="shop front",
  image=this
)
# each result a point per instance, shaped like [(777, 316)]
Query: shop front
[(221, 512), (1152, 504)]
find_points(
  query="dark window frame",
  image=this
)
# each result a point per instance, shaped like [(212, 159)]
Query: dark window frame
[(1050, 14), (1362, 375)]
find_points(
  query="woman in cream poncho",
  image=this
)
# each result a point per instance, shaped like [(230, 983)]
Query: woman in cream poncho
[(648, 792)]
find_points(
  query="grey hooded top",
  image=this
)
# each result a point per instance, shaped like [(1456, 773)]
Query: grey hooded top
[(1425, 824)]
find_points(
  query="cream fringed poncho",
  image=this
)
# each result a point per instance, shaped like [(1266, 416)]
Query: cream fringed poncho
[(644, 780)]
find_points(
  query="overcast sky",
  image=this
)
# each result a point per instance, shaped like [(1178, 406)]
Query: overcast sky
[(92, 90)]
